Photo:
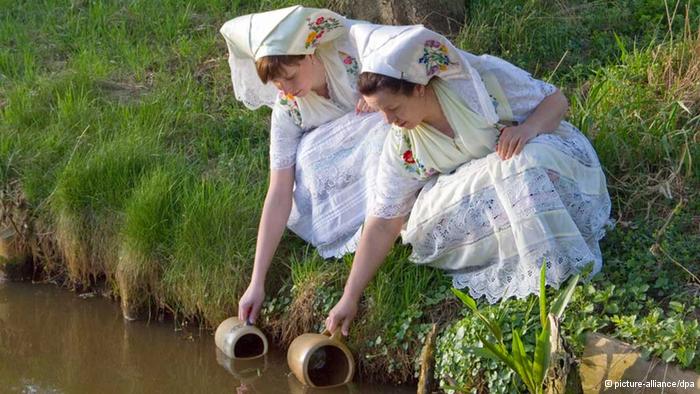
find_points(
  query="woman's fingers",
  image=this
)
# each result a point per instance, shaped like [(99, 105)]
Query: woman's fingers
[(331, 324), (504, 143), (334, 323), (512, 141), (254, 312), (512, 146), (519, 148), (243, 311), (346, 327)]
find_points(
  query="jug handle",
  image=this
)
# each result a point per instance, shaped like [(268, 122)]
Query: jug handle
[(336, 336)]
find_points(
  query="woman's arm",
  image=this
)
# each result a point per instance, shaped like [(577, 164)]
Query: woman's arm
[(378, 237), (544, 119), (275, 213)]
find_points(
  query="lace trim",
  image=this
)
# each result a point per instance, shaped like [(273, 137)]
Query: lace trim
[(518, 276), (482, 214), (392, 210)]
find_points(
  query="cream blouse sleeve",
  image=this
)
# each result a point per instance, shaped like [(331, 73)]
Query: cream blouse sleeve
[(523, 92), (285, 133), (399, 179)]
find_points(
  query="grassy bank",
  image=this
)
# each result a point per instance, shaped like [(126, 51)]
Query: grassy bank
[(133, 167)]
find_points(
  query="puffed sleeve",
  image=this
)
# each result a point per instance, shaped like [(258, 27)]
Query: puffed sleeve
[(524, 93), (285, 133), (397, 184)]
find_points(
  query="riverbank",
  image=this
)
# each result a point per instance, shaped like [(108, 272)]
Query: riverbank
[(127, 162)]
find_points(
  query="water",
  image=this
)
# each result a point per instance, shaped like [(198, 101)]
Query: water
[(52, 341)]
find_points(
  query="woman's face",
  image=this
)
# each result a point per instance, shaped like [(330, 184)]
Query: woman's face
[(297, 79), (402, 110)]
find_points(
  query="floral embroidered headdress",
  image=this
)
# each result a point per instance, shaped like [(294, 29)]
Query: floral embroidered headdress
[(416, 54), (289, 31)]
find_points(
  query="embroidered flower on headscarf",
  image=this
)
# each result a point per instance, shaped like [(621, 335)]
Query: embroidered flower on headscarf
[(310, 38), (350, 63), (318, 27), (435, 57)]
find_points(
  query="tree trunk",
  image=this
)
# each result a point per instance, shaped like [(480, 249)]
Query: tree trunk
[(443, 16)]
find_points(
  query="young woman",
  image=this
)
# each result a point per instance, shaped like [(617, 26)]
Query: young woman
[(323, 154), (480, 167)]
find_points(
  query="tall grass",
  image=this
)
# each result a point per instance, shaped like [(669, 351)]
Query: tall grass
[(147, 238), (642, 116)]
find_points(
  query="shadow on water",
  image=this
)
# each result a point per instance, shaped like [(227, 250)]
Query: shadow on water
[(52, 341)]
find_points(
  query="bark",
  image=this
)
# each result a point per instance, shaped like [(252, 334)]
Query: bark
[(443, 16)]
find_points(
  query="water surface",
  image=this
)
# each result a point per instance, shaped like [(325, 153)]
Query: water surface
[(52, 341)]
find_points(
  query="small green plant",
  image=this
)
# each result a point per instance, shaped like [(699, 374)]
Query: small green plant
[(531, 369)]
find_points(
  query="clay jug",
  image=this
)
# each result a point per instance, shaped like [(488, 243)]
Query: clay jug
[(321, 360), (239, 340)]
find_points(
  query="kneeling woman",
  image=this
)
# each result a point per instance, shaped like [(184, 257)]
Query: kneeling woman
[(479, 166), (323, 155)]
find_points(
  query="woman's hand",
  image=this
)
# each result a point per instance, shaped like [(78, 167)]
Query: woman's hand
[(250, 303), (342, 315), (362, 106), (378, 236), (512, 140)]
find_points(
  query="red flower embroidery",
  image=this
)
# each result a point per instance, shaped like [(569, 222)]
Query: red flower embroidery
[(319, 35), (408, 157), (347, 60), (319, 20)]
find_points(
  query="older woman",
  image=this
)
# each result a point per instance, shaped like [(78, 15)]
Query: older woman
[(480, 167)]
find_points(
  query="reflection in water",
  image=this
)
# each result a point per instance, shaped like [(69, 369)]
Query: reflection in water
[(53, 341)]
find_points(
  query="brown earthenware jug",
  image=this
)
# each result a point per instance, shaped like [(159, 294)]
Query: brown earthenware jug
[(321, 360), (239, 340)]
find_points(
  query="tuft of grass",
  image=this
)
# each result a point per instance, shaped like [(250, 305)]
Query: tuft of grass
[(147, 238), (89, 190), (214, 247)]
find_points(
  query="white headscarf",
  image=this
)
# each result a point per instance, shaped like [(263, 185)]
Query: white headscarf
[(289, 31), (416, 54)]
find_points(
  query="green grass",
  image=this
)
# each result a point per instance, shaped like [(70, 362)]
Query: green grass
[(120, 132)]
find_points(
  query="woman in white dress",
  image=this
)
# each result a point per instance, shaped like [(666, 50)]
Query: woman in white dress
[(480, 171), (323, 150)]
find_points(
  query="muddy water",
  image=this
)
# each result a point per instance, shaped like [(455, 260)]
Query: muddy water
[(52, 341)]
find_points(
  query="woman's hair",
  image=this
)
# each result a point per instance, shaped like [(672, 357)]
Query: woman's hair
[(370, 83), (270, 67)]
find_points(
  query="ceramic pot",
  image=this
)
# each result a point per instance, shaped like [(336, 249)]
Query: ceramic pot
[(321, 360), (239, 340)]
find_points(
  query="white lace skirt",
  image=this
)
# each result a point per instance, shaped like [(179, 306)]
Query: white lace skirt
[(491, 222), (335, 173)]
